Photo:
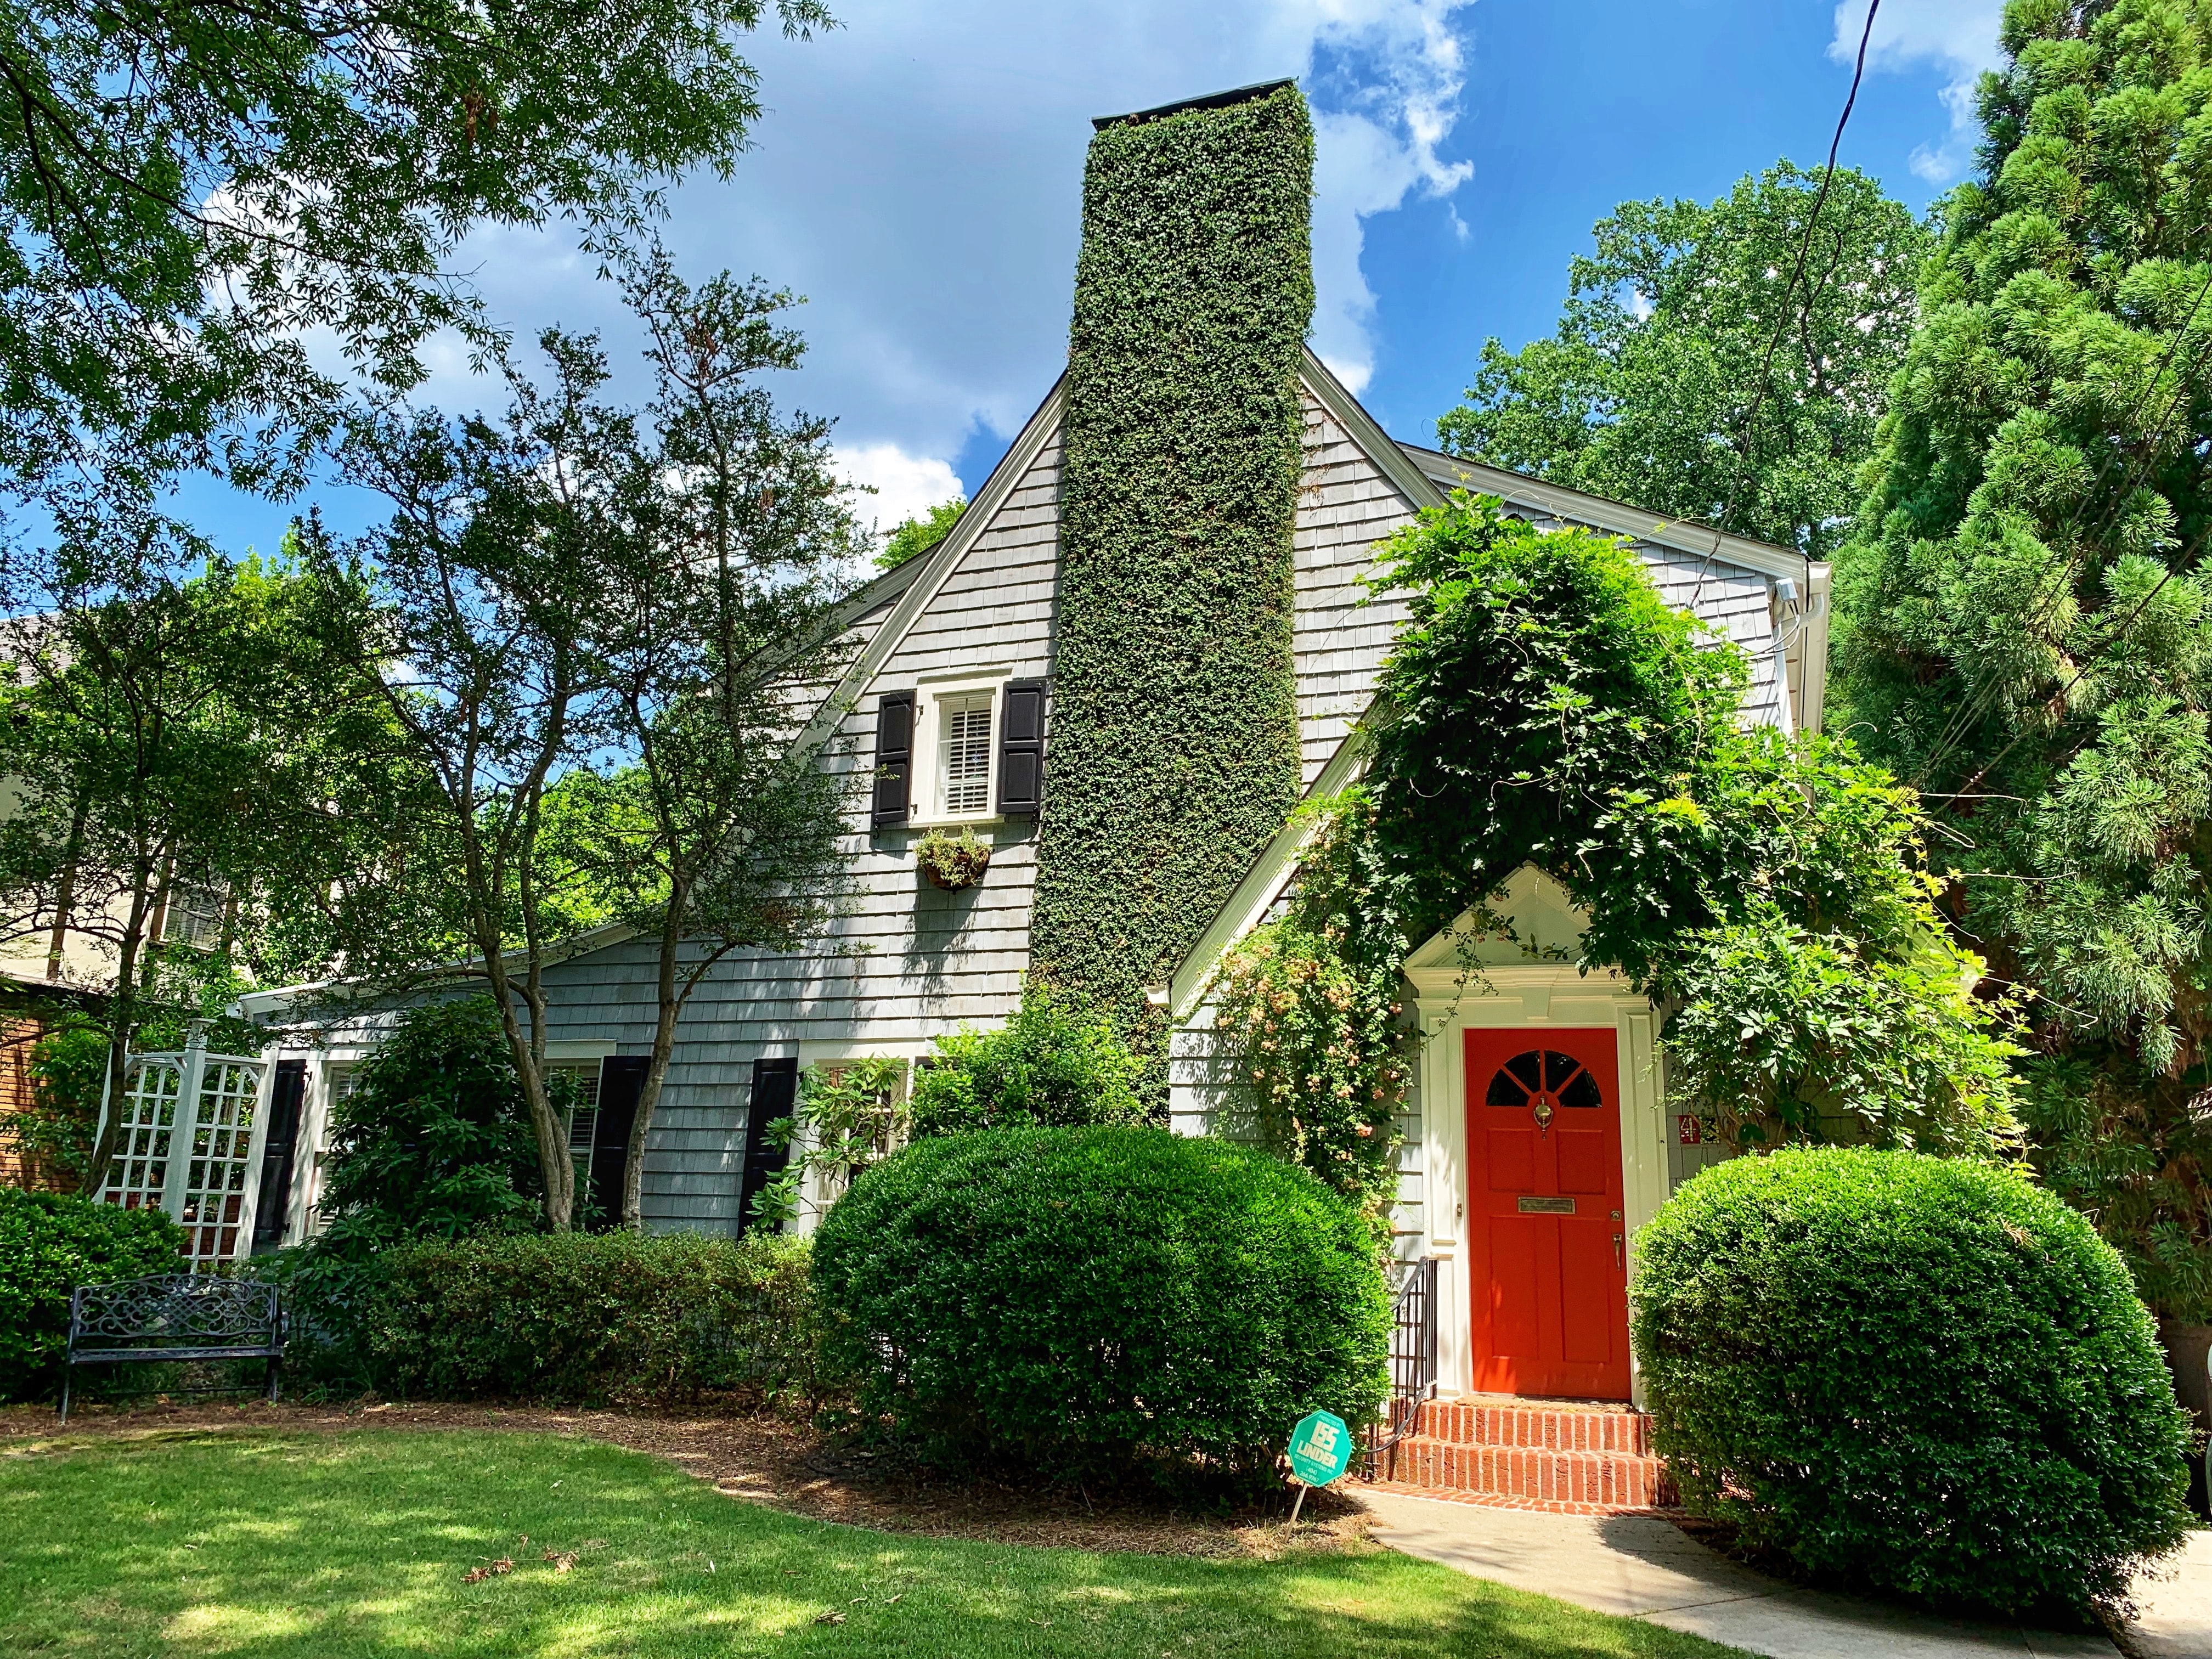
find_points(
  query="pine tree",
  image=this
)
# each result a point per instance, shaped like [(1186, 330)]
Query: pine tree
[(2024, 618)]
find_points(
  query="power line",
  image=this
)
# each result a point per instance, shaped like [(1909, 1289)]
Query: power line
[(1963, 720), (1774, 341)]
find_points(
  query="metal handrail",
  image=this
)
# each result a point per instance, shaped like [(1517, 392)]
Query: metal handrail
[(1412, 1360)]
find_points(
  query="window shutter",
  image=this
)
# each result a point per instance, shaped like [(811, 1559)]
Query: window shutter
[(775, 1095), (1021, 750), (894, 757)]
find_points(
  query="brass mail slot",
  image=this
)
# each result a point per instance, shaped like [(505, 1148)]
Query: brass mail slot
[(1548, 1207)]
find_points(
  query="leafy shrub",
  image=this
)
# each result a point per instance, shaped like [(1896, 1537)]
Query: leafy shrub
[(435, 1140), (587, 1317), (1057, 1063), (50, 1245), (1088, 1298), (1926, 1375), (54, 1129)]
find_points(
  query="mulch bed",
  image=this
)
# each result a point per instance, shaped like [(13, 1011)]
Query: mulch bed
[(772, 1459)]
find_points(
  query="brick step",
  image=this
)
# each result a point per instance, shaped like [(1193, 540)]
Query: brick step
[(1544, 1425), (1589, 1481)]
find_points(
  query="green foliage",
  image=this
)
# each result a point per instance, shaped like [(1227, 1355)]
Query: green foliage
[(1056, 1064), (1175, 725), (2022, 623), (1787, 1034), (1545, 707), (1644, 394), (1539, 677), (605, 611), (50, 1245), (196, 747), (1082, 1299), (1924, 1375), (847, 1118), (200, 191), (434, 1142), (55, 1128), (1314, 1042), (912, 537), (592, 1317), (952, 862)]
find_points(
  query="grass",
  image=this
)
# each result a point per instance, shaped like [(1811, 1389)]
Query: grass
[(333, 1546)]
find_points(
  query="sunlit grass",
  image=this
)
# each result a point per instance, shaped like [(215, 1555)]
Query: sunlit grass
[(266, 1544)]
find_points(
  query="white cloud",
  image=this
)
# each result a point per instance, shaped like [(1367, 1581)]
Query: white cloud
[(905, 486), (918, 176), (1960, 37)]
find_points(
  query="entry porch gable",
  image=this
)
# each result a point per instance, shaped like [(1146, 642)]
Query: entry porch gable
[(1467, 980)]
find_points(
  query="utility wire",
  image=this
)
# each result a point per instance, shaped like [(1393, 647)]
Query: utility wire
[(1774, 342), (1963, 720)]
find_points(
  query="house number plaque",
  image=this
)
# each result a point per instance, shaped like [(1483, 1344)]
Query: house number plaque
[(1538, 1206)]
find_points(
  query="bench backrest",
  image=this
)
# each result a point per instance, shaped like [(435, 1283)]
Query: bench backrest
[(167, 1311)]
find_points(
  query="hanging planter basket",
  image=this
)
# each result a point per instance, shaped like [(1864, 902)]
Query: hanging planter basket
[(953, 862)]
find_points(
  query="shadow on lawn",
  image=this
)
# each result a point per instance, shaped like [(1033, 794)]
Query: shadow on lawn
[(267, 1545)]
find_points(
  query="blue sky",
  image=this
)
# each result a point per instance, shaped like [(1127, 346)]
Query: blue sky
[(916, 176)]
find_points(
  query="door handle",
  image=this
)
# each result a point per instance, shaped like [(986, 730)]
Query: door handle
[(1620, 1258)]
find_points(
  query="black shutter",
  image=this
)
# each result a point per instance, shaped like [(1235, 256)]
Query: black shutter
[(775, 1095), (893, 756), (1021, 750), (274, 1207), (622, 1079)]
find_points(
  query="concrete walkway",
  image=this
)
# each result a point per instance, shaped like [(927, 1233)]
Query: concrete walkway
[(1645, 1568), (2177, 1606)]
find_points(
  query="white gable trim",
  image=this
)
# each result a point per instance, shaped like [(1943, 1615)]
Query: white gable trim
[(1389, 457), (937, 567), (1264, 882)]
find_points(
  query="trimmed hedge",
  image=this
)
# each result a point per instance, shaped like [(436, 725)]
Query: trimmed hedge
[(50, 1243), (1088, 1298), (587, 1317), (1924, 1375)]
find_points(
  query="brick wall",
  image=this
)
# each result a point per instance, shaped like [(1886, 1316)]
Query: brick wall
[(17, 1033)]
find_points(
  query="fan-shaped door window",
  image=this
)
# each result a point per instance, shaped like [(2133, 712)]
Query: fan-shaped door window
[(1545, 1080)]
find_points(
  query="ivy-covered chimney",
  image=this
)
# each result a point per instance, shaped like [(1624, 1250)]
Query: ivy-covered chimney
[(1174, 723)]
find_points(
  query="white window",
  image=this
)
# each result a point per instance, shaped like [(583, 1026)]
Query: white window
[(194, 917), (964, 754), (955, 751)]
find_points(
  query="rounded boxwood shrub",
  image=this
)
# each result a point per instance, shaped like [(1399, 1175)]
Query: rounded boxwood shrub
[(50, 1243), (1924, 1375), (1084, 1299)]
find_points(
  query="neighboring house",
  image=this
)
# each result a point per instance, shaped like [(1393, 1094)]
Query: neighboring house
[(1536, 1140)]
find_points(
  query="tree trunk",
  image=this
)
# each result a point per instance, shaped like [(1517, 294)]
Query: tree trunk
[(553, 1168), (672, 1002)]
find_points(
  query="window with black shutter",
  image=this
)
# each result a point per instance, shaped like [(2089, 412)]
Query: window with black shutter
[(1021, 750), (775, 1095), (894, 757)]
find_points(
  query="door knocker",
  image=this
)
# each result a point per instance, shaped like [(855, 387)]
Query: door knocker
[(1543, 1115)]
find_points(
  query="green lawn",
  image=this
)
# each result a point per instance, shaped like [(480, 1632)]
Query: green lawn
[(258, 1543)]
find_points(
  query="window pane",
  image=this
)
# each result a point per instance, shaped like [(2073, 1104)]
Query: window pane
[(964, 748)]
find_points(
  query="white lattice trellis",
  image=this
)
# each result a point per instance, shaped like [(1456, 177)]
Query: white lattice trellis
[(191, 1141)]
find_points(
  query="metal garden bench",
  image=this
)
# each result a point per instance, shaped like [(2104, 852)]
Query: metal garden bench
[(172, 1318)]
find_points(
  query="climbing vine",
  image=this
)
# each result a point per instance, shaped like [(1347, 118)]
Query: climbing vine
[(1546, 706), (1175, 742)]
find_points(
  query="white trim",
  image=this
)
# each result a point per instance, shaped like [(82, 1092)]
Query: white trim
[(582, 1048), (938, 566), (931, 694)]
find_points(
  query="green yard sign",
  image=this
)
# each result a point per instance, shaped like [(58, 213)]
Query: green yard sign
[(1321, 1450)]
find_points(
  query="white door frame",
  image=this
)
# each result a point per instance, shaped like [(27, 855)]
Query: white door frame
[(1530, 995)]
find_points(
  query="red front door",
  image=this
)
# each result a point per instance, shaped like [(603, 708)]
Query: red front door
[(1548, 1252)]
